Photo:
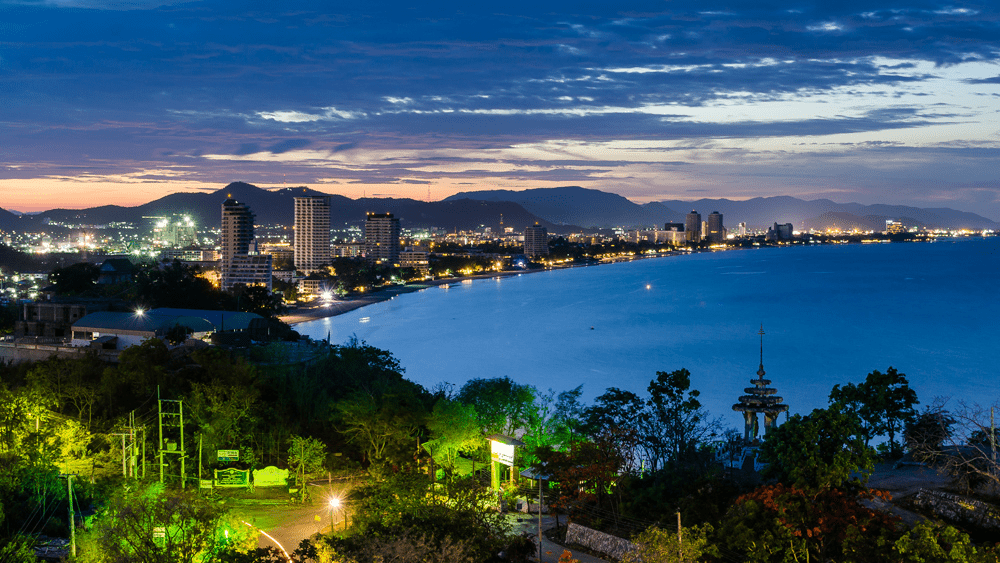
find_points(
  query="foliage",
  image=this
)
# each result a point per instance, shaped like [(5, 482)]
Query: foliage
[(401, 506), (820, 450), (455, 428), (783, 523), (176, 285), (883, 403), (656, 545), (18, 550), (75, 278), (191, 528), (928, 542), (502, 405), (675, 422), (926, 433), (306, 455), (381, 426)]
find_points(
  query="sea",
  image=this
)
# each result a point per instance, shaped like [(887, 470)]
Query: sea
[(830, 315)]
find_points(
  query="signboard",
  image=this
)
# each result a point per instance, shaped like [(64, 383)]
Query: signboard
[(204, 483), (228, 455), (159, 536), (232, 478), (270, 476), (503, 453)]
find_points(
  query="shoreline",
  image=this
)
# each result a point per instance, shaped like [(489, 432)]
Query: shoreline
[(302, 315)]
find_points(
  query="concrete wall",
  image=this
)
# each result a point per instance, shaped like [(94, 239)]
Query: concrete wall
[(607, 544), (18, 353)]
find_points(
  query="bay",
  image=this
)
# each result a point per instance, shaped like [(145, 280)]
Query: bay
[(831, 314)]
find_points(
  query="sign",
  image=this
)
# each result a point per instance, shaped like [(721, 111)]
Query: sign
[(270, 476), (503, 453), (159, 536), (204, 483), (229, 478), (228, 455)]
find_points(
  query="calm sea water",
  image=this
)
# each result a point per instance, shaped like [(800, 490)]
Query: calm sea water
[(831, 314)]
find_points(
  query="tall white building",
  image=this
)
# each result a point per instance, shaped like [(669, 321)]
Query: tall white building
[(312, 233), (382, 238), (239, 260)]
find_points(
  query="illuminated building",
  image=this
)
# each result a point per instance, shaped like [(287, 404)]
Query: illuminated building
[(692, 226), (716, 231), (382, 238), (536, 241), (312, 233), (240, 262)]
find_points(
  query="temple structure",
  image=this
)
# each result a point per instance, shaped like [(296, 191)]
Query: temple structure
[(759, 399)]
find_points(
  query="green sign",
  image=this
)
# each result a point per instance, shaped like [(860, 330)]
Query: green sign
[(270, 476), (228, 455), (232, 478)]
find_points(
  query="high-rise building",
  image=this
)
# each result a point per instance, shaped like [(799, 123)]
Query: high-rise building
[(716, 231), (312, 233), (237, 245), (536, 241), (692, 226), (382, 238)]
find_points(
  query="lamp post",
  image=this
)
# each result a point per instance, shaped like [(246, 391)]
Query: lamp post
[(334, 504)]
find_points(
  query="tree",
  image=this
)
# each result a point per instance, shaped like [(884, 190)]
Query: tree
[(153, 525), (305, 455), (928, 542), (656, 545), (823, 449), (377, 425), (502, 405), (675, 422), (455, 428), (884, 404), (779, 523)]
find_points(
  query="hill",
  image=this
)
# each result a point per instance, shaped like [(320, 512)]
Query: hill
[(573, 205), (277, 207)]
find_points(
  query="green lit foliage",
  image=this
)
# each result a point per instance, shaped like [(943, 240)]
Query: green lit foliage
[(17, 550), (553, 421), (70, 384), (883, 403), (455, 428), (306, 455), (928, 542), (409, 546), (777, 523), (823, 449), (466, 525), (656, 545), (502, 405), (193, 529)]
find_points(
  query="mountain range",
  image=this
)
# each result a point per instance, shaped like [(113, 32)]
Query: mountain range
[(561, 210)]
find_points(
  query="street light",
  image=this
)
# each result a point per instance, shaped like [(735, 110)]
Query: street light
[(334, 505)]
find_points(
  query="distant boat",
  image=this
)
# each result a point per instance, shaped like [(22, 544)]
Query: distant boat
[(443, 286)]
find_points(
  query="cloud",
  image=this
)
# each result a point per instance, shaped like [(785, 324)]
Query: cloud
[(288, 145)]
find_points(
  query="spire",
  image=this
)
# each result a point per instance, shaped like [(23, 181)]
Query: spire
[(760, 371)]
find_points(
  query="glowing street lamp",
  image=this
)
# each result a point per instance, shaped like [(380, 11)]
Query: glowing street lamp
[(334, 505)]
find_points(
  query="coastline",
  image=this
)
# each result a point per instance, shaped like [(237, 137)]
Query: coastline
[(306, 314)]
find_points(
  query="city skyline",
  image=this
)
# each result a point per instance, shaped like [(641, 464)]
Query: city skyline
[(875, 102)]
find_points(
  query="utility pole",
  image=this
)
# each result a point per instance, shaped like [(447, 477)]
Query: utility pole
[(72, 517), (680, 539), (171, 416)]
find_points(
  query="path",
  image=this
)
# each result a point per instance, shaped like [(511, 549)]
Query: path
[(525, 524)]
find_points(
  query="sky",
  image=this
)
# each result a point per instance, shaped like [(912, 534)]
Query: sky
[(125, 101)]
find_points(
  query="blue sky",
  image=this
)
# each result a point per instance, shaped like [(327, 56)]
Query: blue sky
[(874, 102)]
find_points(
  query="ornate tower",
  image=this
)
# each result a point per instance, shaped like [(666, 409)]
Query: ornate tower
[(759, 399)]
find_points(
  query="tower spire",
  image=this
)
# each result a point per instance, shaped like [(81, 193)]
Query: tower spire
[(760, 370)]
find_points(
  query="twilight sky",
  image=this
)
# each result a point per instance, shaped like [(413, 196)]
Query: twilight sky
[(124, 101)]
